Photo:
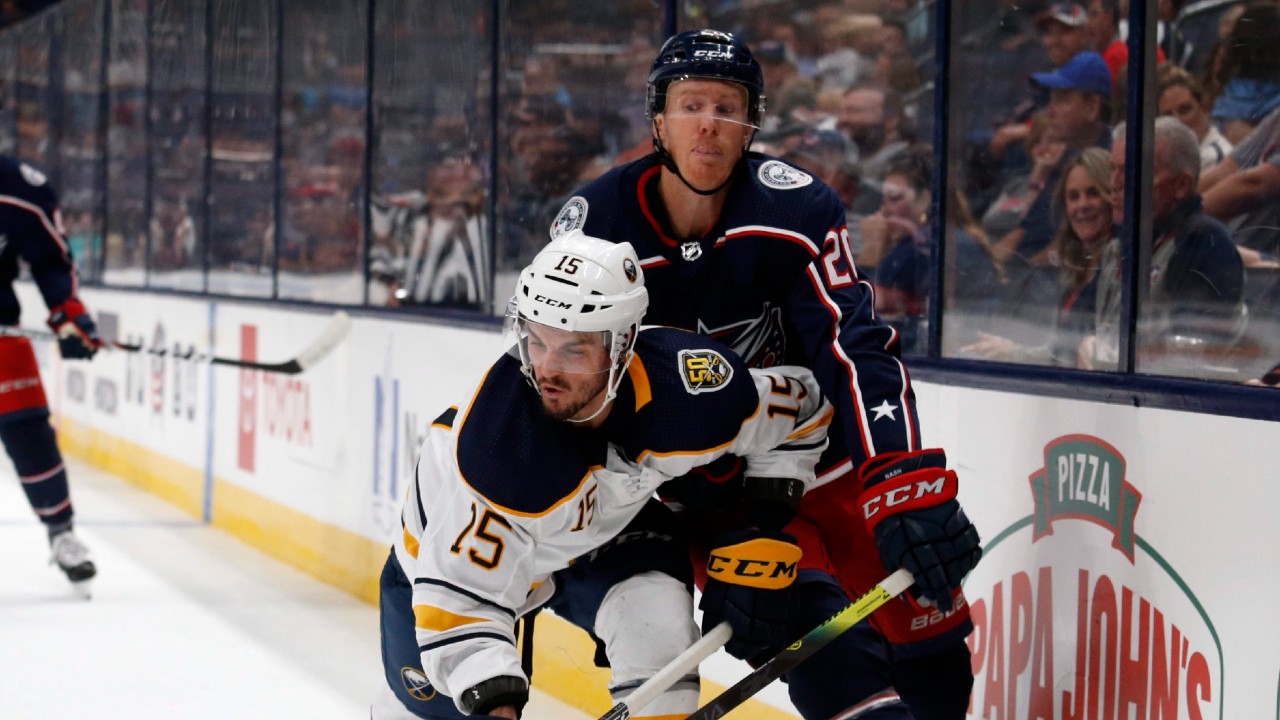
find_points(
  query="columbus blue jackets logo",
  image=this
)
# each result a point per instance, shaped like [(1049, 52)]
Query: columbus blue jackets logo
[(572, 216), (777, 174), (760, 341), (704, 370)]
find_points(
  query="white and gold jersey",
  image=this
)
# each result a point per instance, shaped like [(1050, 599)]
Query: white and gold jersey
[(506, 496)]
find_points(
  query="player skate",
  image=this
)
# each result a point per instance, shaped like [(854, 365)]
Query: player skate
[(72, 557)]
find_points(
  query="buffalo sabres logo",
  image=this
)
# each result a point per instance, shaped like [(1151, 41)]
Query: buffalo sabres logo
[(416, 684), (704, 371), (572, 216), (691, 251), (777, 174), (629, 269)]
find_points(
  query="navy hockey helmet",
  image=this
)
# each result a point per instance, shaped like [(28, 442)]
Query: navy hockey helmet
[(711, 55)]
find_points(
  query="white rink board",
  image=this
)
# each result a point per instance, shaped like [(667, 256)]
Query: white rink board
[(1179, 544), (1172, 548)]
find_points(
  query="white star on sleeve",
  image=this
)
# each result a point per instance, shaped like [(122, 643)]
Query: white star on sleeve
[(884, 409)]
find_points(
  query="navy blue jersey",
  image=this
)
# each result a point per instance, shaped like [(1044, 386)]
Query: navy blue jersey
[(774, 280), (31, 229)]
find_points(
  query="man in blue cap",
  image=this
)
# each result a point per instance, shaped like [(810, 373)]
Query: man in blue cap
[(1079, 106)]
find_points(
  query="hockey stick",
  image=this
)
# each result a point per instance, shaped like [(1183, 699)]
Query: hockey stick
[(335, 332), (683, 664), (812, 642)]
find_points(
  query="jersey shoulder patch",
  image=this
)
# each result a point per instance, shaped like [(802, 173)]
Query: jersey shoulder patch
[(703, 370), (34, 177), (781, 176), (701, 394), (571, 217)]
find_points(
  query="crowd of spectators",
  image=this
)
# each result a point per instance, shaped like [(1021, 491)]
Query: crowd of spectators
[(1033, 240), (1034, 248), (454, 194)]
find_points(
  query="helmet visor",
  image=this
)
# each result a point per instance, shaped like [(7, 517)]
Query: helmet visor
[(546, 349), (692, 97)]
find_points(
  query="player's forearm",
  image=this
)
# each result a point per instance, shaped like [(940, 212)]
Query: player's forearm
[(56, 285), (453, 667)]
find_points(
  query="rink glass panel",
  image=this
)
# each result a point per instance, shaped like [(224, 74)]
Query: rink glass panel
[(571, 84), (480, 126), (432, 154), (1210, 341), (126, 226), (992, 54), (178, 145), (31, 96), (80, 150), (1021, 301), (813, 55), (242, 218), (8, 77), (322, 154)]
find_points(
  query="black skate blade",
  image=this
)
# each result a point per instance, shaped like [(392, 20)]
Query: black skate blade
[(80, 573)]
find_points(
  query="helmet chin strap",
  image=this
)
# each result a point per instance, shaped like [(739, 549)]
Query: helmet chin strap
[(608, 398), (670, 163), (623, 353)]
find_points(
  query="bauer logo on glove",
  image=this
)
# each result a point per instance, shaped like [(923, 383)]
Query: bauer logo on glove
[(762, 562)]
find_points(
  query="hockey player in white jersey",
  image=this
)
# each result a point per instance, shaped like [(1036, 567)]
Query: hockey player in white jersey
[(538, 491)]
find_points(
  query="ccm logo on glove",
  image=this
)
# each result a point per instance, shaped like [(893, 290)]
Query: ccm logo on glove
[(907, 491), (763, 563)]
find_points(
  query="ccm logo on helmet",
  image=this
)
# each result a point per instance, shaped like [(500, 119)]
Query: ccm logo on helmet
[(713, 54), (559, 304)]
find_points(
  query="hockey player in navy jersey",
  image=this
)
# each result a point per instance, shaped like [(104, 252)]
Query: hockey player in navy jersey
[(755, 252), (538, 490), (31, 230)]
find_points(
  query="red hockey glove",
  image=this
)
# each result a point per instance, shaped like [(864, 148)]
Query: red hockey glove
[(77, 335), (909, 504)]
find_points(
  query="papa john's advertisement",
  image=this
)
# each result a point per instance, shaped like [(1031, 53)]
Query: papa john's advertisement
[(1076, 616)]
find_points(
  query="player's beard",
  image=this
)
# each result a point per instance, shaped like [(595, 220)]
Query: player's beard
[(573, 400)]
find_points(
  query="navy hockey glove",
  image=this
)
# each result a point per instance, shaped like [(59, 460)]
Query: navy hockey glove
[(77, 335), (749, 584), (909, 502), (494, 693)]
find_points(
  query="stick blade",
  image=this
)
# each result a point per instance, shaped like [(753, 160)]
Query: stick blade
[(334, 333)]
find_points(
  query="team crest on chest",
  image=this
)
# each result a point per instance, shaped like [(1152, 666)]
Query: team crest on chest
[(777, 174), (572, 216), (704, 370)]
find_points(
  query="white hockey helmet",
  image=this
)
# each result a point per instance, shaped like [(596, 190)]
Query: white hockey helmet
[(579, 283)]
